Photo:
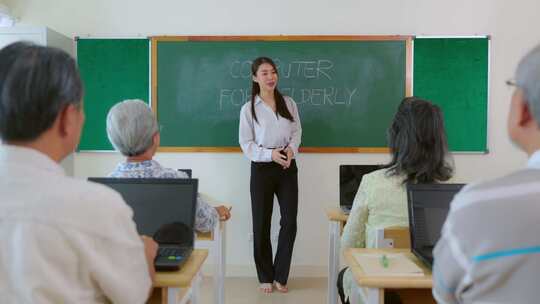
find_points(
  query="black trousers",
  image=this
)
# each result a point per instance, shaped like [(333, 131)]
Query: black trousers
[(268, 179)]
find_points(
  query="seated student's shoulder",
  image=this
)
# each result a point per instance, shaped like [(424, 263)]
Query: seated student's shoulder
[(496, 189), (520, 177), (169, 173), (378, 176)]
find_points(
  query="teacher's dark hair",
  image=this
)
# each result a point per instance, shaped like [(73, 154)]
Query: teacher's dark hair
[(281, 106), (417, 141), (36, 84)]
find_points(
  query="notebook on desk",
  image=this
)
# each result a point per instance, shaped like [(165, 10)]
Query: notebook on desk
[(396, 264), (428, 206), (164, 209)]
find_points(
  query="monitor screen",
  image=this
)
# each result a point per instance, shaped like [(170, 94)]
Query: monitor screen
[(161, 207), (350, 177), (428, 207)]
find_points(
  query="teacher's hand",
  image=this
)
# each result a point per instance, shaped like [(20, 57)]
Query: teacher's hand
[(290, 155), (279, 158)]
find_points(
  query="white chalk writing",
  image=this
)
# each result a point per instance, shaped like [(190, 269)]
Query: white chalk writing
[(294, 70)]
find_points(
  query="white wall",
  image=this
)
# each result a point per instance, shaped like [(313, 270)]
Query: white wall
[(44, 36), (514, 27)]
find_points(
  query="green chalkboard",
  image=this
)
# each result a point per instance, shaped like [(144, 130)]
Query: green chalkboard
[(346, 91), (453, 72), (112, 70)]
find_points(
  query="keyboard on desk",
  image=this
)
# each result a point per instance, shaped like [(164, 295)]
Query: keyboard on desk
[(170, 252), (171, 258), (173, 252)]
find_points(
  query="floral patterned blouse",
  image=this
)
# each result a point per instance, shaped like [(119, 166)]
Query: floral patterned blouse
[(206, 216)]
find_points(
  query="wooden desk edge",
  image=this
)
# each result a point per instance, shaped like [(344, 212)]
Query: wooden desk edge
[(336, 214), (208, 236), (424, 281), (183, 277), (204, 236)]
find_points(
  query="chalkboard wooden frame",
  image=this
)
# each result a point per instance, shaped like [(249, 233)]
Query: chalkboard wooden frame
[(408, 79)]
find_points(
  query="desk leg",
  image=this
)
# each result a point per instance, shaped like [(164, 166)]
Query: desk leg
[(333, 261), (356, 295), (366, 295), (195, 287), (219, 256), (375, 296), (170, 295)]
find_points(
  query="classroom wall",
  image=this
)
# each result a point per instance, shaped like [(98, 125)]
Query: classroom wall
[(225, 176)]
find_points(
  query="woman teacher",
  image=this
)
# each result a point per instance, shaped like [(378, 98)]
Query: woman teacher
[(269, 135)]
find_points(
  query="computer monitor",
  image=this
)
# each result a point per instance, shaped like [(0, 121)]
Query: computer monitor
[(428, 207), (159, 204), (350, 177)]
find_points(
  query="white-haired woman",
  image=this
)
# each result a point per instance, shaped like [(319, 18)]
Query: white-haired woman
[(133, 131)]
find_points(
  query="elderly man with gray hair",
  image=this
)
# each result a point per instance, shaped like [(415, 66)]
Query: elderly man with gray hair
[(63, 240), (133, 130), (489, 251)]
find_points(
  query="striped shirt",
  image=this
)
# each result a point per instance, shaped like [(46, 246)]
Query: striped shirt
[(489, 251)]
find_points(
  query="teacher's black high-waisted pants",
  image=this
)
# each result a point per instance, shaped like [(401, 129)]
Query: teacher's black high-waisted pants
[(268, 179)]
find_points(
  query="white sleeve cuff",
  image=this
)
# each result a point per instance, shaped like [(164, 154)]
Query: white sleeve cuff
[(267, 155)]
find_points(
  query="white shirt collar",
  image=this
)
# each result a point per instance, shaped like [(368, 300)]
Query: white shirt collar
[(10, 154), (534, 160), (258, 100)]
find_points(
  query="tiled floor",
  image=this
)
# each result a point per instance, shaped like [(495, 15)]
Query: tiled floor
[(245, 291)]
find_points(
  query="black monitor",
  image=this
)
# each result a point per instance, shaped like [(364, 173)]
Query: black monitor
[(160, 205), (428, 207), (350, 177)]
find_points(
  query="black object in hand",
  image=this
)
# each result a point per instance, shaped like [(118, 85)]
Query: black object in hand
[(282, 152)]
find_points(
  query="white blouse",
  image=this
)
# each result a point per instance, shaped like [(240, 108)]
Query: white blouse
[(257, 139)]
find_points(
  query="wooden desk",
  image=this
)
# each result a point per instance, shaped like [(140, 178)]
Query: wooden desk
[(215, 242), (336, 220), (371, 288), (183, 285)]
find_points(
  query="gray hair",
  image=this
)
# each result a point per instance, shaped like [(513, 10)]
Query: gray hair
[(131, 126), (528, 79), (36, 84)]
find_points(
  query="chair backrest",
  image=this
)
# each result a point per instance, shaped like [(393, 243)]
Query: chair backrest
[(186, 171), (393, 237)]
